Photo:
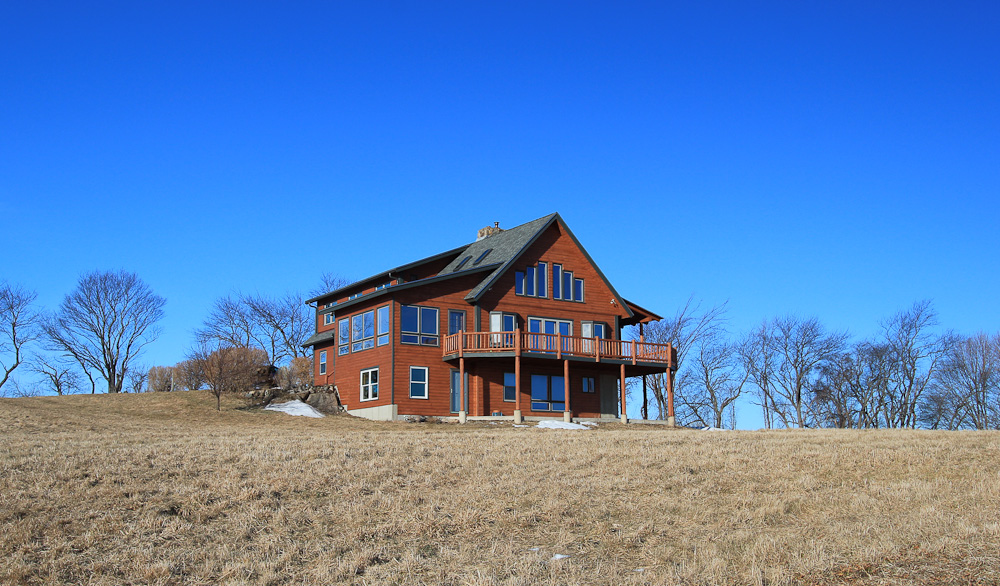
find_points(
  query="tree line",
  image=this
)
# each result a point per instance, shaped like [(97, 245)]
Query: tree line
[(799, 374), (95, 337)]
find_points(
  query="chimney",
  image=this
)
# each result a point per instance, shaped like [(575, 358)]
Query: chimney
[(488, 231)]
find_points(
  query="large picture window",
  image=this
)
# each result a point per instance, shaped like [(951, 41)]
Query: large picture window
[(418, 382), (418, 325), (548, 393), (369, 384), (363, 331)]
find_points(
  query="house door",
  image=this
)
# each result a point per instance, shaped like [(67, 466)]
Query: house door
[(455, 403)]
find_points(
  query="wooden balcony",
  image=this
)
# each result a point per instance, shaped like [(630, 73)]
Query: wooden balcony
[(557, 346)]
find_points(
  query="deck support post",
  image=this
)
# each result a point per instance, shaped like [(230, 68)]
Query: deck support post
[(622, 379), (462, 407), (568, 413), (517, 376)]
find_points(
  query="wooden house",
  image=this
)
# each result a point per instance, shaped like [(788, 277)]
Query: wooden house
[(520, 324)]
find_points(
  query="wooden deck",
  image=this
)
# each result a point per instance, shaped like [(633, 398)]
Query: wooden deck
[(558, 346)]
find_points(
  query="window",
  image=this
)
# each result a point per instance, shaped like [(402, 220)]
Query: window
[(355, 296), (462, 264), (418, 325), (556, 281), (322, 362), (363, 331), (482, 256), (548, 393), (418, 382), (369, 384), (328, 318), (578, 290), (456, 321), (589, 384), (383, 325), (509, 387), (383, 285), (567, 286), (590, 330), (533, 281), (344, 336)]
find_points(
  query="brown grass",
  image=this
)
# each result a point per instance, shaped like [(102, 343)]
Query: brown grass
[(161, 489)]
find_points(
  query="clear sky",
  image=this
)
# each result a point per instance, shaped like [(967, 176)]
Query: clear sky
[(838, 160)]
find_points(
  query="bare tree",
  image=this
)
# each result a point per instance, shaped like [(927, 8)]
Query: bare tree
[(329, 282), (685, 330), (105, 323), (229, 369), (189, 375), (853, 387), (137, 378), (801, 348), (161, 379), (58, 376), (915, 352), (19, 322), (759, 359), (969, 382), (717, 381)]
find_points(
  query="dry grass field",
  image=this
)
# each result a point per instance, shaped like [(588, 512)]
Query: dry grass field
[(161, 489)]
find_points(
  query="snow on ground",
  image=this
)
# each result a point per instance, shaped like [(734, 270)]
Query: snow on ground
[(295, 407), (548, 424)]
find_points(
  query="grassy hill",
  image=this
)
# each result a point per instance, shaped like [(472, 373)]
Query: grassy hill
[(161, 489)]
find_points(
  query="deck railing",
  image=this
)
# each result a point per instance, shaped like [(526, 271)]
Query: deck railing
[(557, 345)]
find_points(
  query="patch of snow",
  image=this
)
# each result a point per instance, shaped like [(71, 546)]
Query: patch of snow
[(593, 423), (534, 549), (295, 407), (549, 424), (516, 425), (713, 429), (559, 556)]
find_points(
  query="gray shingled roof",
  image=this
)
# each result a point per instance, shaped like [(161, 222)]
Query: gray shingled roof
[(504, 248)]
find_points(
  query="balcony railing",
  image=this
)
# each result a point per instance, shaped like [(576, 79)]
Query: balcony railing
[(557, 345)]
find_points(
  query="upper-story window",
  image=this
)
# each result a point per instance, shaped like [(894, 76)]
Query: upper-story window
[(328, 318), (594, 329), (383, 285), (383, 325), (418, 325), (363, 331), (533, 281), (343, 336), (355, 296)]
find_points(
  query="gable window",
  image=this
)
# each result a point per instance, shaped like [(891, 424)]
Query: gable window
[(533, 281), (548, 393), (418, 382), (589, 384), (578, 290), (567, 286), (418, 325), (383, 325), (322, 362), (369, 384), (556, 281), (509, 387), (363, 331), (343, 336)]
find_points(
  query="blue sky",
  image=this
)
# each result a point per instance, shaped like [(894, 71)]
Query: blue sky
[(837, 160)]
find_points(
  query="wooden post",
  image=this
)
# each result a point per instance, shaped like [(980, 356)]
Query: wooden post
[(558, 345), (568, 413), (462, 413), (622, 379)]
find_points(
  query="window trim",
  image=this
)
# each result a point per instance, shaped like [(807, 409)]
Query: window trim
[(322, 362), (343, 345), (369, 385), (426, 382)]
